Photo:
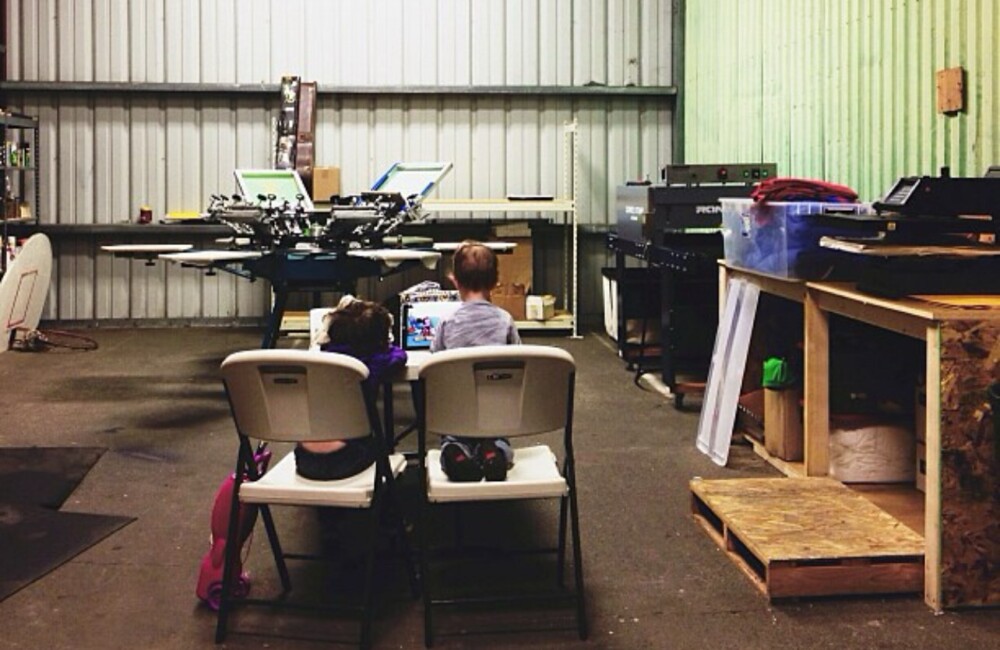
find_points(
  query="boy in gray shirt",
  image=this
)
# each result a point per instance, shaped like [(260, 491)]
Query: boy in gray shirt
[(476, 322)]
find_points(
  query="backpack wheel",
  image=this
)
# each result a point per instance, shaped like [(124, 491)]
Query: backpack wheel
[(214, 596)]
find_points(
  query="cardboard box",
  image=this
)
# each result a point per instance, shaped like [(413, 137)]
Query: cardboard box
[(510, 297), (326, 183), (921, 477), (516, 267), (540, 307), (783, 424)]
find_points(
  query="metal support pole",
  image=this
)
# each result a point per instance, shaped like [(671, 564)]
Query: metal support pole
[(678, 29), (3, 48), (571, 141)]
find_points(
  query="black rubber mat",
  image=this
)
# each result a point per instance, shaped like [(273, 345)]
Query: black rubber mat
[(36, 540), (35, 537), (44, 476)]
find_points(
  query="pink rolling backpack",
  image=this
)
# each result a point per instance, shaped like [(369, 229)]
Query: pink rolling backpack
[(209, 588)]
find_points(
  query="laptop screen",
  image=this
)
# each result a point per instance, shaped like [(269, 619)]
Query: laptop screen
[(421, 320)]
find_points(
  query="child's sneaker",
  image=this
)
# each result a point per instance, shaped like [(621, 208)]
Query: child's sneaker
[(493, 461), (458, 465)]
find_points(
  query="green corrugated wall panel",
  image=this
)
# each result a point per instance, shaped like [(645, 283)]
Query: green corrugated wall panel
[(841, 89)]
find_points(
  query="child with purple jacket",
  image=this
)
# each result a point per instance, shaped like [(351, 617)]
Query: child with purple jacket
[(359, 329)]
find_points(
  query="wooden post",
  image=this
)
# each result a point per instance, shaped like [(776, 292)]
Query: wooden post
[(783, 423), (817, 388), (932, 498)]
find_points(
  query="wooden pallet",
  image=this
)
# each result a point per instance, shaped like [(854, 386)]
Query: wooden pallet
[(798, 537)]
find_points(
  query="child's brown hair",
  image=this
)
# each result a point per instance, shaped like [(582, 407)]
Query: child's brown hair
[(475, 267), (361, 326)]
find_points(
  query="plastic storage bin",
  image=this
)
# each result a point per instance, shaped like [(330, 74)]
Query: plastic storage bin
[(781, 238)]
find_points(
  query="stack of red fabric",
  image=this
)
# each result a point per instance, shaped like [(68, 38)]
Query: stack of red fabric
[(802, 189)]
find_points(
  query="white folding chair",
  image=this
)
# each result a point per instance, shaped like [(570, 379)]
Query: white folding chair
[(301, 396), (501, 391)]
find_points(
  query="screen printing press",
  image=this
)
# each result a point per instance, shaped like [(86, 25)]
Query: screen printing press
[(674, 229), (277, 236)]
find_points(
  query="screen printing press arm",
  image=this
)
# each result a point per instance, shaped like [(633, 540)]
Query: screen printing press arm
[(500, 247), (211, 261), (147, 252)]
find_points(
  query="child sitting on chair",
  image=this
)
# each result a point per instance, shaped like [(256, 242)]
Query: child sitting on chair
[(359, 329), (476, 322)]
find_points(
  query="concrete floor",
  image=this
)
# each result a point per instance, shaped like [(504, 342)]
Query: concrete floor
[(654, 579)]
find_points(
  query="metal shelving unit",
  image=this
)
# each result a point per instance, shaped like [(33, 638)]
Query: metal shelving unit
[(566, 205), (18, 124)]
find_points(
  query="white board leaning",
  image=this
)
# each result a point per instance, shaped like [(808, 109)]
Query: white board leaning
[(725, 375), (24, 287)]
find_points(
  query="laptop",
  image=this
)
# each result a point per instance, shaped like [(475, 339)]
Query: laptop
[(420, 321)]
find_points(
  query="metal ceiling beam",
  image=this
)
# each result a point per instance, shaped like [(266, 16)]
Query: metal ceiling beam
[(116, 87)]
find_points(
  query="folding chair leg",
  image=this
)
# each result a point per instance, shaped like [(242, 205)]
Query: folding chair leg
[(279, 556), (396, 512), (229, 566), (368, 598), (425, 576), (581, 609), (459, 528), (561, 558), (224, 599), (407, 550)]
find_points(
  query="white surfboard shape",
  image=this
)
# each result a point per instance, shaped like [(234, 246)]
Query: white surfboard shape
[(24, 287)]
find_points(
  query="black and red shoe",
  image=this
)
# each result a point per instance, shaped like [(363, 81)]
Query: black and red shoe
[(459, 466), (492, 460)]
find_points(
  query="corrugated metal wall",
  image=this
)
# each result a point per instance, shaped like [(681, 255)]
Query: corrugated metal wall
[(114, 153), (842, 89)]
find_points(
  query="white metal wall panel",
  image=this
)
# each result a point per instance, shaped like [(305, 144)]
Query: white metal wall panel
[(104, 156), (344, 42)]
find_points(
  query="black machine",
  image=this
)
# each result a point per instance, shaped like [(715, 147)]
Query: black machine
[(674, 227), (686, 203), (946, 217), (944, 196)]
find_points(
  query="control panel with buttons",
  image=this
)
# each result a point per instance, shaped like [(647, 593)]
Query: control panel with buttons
[(726, 173)]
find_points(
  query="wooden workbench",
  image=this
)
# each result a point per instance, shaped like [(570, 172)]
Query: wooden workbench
[(962, 343)]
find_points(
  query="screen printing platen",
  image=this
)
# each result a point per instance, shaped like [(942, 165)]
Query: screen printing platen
[(412, 178), (284, 184)]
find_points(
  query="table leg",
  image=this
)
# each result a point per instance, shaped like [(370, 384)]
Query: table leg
[(274, 320), (620, 303), (668, 296), (817, 388), (932, 498), (388, 417)]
